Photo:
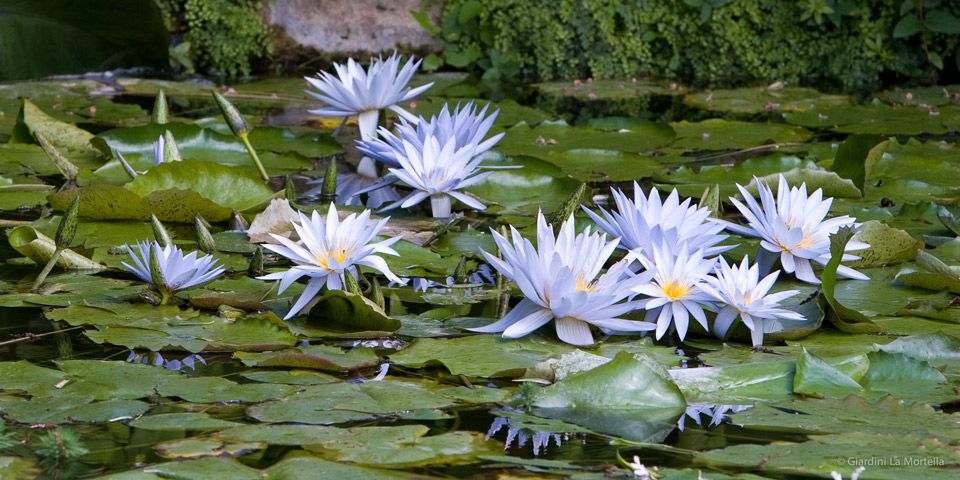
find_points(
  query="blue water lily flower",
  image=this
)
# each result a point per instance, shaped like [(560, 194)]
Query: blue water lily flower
[(560, 279), (438, 171), (644, 222), (176, 271), (676, 291), (794, 229), (465, 125), (746, 297), (355, 91), (328, 249)]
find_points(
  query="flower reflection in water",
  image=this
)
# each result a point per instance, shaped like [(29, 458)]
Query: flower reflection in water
[(516, 432), (715, 412)]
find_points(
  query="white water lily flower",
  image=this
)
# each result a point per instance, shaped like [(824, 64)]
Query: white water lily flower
[(675, 291), (746, 297), (329, 249), (355, 91), (466, 126), (560, 279), (438, 171), (177, 271), (645, 222), (855, 475), (793, 228)]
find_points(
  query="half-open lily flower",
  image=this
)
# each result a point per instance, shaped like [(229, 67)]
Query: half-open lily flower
[(645, 222), (328, 249), (466, 126), (560, 279), (168, 270), (355, 91), (793, 228), (676, 289), (438, 171), (746, 296)]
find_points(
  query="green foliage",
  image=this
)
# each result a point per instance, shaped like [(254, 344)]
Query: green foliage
[(217, 36), (849, 44)]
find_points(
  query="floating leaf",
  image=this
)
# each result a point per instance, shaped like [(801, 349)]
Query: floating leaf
[(227, 187), (888, 246), (38, 247), (629, 397)]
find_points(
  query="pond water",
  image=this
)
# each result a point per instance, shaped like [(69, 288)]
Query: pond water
[(97, 383)]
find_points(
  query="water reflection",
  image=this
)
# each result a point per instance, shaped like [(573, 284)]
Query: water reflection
[(157, 360), (651, 426), (521, 434), (715, 412)]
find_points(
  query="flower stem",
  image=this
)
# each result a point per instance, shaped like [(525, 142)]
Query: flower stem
[(440, 205), (46, 269), (245, 138)]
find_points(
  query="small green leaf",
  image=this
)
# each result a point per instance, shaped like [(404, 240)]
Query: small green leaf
[(908, 26)]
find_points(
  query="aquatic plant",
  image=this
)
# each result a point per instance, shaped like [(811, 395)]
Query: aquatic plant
[(168, 270), (794, 228), (746, 296), (560, 280), (644, 222), (465, 125), (355, 91), (675, 291), (328, 250), (438, 171)]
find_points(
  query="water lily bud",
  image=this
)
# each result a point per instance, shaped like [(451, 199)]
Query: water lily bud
[(68, 224), (126, 166), (328, 192), (237, 222), (460, 273), (376, 294), (159, 232), (352, 285), (205, 241), (67, 169), (171, 152), (256, 263), (290, 190), (238, 125), (569, 207), (161, 111)]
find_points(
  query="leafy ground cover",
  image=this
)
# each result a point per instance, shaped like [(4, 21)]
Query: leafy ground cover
[(96, 382)]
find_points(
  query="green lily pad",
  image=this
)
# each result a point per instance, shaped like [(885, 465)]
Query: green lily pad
[(717, 134), (875, 119), (178, 422), (537, 185), (227, 187), (817, 378), (348, 402), (217, 390), (888, 246), (317, 357), (755, 100), (110, 202), (403, 446), (479, 355), (61, 135), (628, 397), (39, 248), (544, 139)]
